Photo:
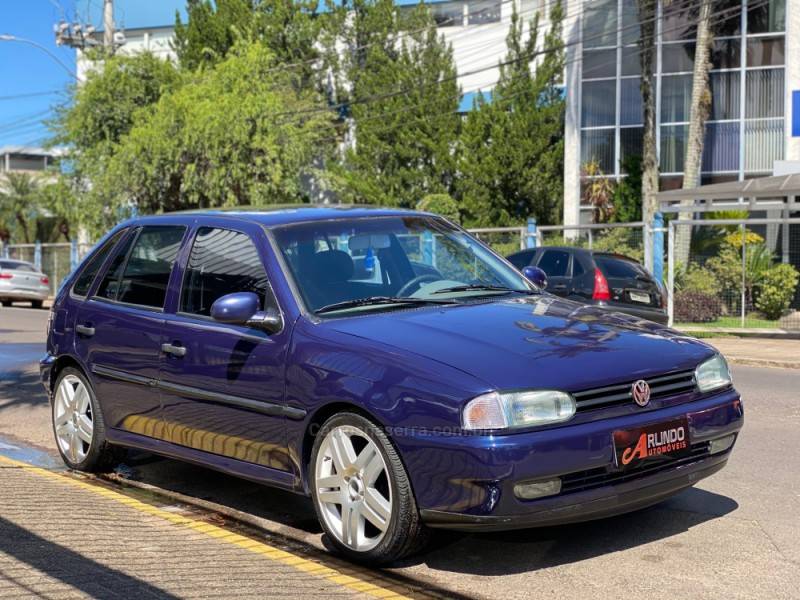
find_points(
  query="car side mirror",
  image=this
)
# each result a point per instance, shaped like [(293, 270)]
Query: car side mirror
[(241, 308), (536, 276)]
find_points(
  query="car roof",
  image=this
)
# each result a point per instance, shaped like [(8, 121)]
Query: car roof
[(272, 216)]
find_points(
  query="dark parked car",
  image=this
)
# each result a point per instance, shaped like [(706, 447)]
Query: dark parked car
[(611, 281), (301, 349)]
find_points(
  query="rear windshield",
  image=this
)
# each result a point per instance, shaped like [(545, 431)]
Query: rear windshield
[(619, 268), (15, 266)]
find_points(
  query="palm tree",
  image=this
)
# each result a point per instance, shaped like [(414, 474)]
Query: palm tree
[(647, 52), (19, 196), (698, 115)]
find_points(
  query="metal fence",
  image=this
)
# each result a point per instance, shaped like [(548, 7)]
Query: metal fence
[(54, 260), (734, 274)]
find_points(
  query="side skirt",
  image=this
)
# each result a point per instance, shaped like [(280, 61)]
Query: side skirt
[(223, 464)]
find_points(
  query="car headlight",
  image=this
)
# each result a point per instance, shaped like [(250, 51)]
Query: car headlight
[(509, 410), (712, 374)]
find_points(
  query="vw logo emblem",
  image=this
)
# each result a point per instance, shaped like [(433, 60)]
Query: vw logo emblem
[(640, 391)]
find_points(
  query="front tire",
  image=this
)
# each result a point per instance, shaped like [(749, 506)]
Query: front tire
[(36, 304), (362, 493), (78, 425)]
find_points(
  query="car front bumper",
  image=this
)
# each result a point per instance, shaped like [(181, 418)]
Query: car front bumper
[(468, 483)]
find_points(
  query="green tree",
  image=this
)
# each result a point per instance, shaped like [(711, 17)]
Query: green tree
[(19, 206), (229, 136), (403, 99), (628, 191), (289, 28), (512, 151), (440, 204), (102, 112)]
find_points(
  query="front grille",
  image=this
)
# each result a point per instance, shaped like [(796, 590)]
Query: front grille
[(586, 480), (661, 386)]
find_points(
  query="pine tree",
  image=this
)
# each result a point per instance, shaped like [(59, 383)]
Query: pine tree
[(512, 151), (404, 142)]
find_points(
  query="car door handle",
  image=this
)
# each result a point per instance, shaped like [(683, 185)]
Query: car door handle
[(84, 330), (174, 350)]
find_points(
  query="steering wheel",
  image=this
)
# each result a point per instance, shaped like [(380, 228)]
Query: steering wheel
[(417, 281)]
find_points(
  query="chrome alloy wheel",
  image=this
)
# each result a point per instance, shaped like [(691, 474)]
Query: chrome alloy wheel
[(72, 419), (354, 494)]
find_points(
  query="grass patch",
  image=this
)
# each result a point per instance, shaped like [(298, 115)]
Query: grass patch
[(750, 322)]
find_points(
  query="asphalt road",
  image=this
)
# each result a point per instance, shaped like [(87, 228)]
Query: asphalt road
[(735, 535)]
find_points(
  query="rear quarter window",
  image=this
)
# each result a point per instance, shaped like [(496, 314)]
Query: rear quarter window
[(619, 268), (83, 282), (521, 259)]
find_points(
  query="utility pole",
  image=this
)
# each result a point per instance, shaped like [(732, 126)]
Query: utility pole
[(108, 25)]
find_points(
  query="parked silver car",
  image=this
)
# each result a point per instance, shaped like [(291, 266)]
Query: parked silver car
[(22, 282)]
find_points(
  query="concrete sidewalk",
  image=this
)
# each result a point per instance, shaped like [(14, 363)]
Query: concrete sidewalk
[(759, 352), (65, 538)]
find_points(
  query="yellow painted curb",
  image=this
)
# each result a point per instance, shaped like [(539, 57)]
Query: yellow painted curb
[(223, 535)]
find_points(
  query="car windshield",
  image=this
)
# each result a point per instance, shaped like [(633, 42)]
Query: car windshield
[(385, 263)]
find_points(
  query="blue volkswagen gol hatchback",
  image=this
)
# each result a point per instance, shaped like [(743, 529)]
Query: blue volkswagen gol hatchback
[(384, 362)]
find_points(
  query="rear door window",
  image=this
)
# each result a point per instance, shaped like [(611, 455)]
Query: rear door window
[(16, 266), (142, 279), (221, 262), (555, 263), (84, 280), (522, 259)]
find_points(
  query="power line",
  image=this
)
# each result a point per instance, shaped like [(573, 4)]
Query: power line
[(398, 92), (30, 95), (387, 114)]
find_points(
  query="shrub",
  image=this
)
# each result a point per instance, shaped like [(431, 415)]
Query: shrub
[(440, 204), (697, 279), (620, 240), (727, 267), (776, 290), (696, 307)]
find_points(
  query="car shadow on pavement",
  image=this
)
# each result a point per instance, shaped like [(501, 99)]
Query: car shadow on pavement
[(82, 573), (500, 553), (526, 550), (21, 387)]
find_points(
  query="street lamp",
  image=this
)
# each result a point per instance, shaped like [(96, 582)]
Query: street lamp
[(5, 37)]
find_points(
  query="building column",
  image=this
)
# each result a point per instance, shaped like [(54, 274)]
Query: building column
[(572, 118)]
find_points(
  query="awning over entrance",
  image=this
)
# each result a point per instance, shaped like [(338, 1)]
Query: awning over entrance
[(752, 194)]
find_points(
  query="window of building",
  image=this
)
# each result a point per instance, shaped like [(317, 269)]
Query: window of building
[(484, 11), (599, 107), (600, 23), (630, 143), (765, 52), (221, 262), (598, 145), (764, 93), (631, 30), (673, 147), (721, 147), (677, 58), (676, 96), (767, 18), (727, 17), (726, 54), (725, 96), (630, 110), (599, 63), (631, 61), (763, 144), (448, 14), (679, 22)]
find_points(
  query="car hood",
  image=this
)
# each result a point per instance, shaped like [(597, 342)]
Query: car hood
[(533, 341)]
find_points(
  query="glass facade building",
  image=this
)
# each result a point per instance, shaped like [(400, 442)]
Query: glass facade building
[(746, 130)]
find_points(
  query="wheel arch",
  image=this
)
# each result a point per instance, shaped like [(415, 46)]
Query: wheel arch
[(61, 363), (314, 424)]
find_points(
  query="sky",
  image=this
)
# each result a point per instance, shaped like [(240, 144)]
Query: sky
[(32, 82)]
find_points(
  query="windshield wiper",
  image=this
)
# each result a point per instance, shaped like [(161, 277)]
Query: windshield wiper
[(378, 300), (482, 287)]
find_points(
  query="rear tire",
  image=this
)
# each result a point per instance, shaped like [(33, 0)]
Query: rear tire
[(6, 302), (36, 304), (362, 493), (78, 425)]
